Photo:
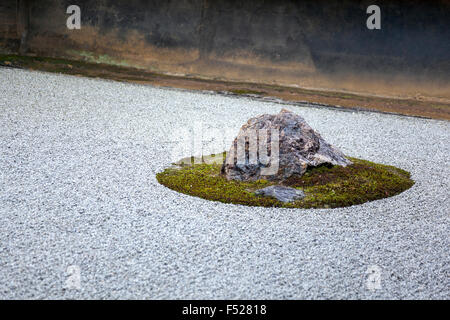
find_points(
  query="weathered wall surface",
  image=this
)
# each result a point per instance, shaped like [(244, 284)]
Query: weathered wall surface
[(8, 24), (309, 43)]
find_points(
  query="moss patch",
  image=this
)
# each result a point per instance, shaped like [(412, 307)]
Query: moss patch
[(324, 186), (247, 92)]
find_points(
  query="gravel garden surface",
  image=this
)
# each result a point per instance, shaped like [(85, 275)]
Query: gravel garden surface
[(78, 160)]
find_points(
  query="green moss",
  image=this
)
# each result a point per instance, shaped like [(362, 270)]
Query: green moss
[(102, 59), (246, 91), (29, 61), (324, 186)]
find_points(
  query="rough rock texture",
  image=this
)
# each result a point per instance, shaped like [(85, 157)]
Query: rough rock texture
[(299, 147), (284, 194)]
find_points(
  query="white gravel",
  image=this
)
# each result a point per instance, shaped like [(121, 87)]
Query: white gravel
[(78, 159)]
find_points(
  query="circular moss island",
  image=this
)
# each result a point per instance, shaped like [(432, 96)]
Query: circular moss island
[(324, 186)]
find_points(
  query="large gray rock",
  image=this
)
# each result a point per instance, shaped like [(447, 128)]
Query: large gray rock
[(292, 146), (284, 194)]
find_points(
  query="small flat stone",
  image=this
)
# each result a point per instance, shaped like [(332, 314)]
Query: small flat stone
[(283, 194)]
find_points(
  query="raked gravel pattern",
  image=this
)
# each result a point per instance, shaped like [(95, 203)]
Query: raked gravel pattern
[(78, 192)]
